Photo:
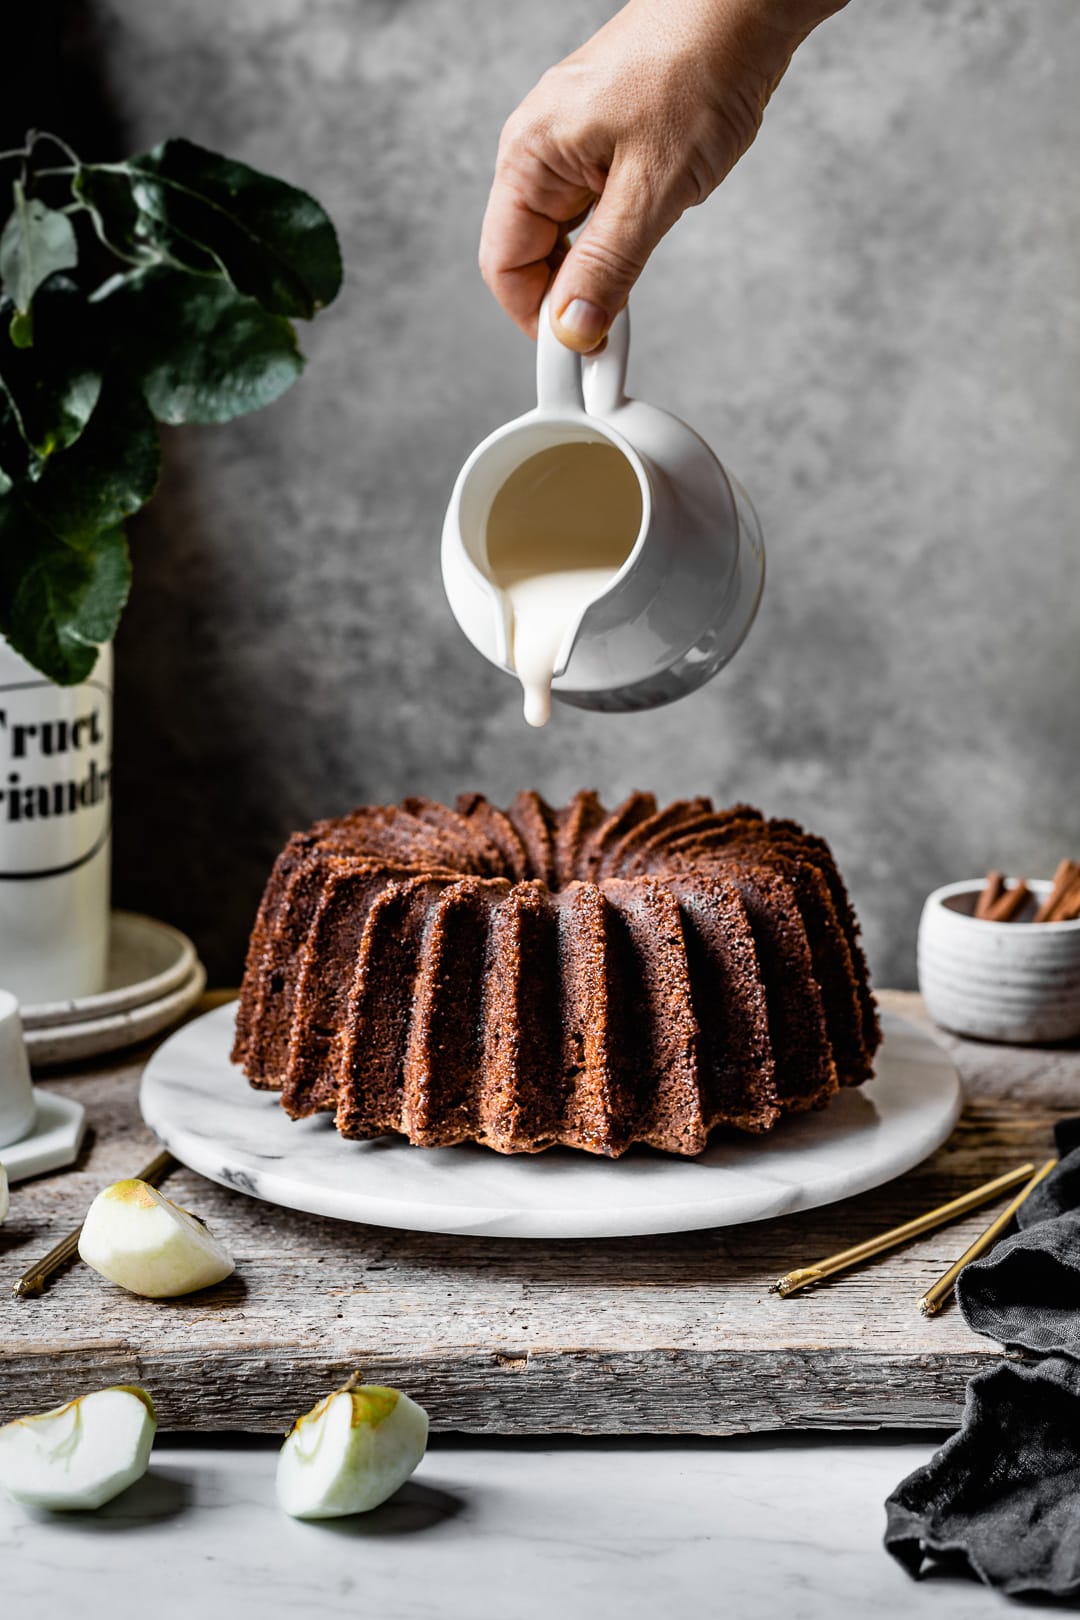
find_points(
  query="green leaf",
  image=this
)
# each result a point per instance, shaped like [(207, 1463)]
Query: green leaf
[(57, 606), (36, 242), (106, 475), (113, 211), (202, 351), (68, 605), (17, 459), (275, 242), (21, 539), (21, 329), (53, 388), (129, 232)]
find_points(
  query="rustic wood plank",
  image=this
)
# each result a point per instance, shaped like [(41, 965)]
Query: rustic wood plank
[(675, 1334)]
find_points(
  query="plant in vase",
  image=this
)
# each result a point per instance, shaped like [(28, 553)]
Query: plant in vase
[(157, 290)]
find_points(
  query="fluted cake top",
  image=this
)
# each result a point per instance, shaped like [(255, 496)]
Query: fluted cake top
[(537, 976)]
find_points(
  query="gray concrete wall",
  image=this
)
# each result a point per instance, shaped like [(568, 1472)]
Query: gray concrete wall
[(875, 322)]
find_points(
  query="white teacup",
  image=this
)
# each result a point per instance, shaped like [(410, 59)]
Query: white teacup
[(17, 1105)]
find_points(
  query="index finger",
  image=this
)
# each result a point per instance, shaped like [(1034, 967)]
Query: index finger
[(523, 239)]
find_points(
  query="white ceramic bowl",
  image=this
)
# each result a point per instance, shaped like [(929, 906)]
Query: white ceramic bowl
[(999, 981)]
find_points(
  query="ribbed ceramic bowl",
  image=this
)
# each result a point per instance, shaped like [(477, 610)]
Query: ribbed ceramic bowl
[(999, 981)]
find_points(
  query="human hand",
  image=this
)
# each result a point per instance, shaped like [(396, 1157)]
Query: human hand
[(643, 122)]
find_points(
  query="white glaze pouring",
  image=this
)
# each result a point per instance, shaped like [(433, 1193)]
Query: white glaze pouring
[(559, 530)]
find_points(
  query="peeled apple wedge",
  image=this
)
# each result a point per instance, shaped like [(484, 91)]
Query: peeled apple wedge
[(80, 1455), (138, 1238), (350, 1452)]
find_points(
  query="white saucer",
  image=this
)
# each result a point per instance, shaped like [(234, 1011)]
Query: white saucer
[(147, 960), (54, 1141), (205, 1113), (70, 1043)]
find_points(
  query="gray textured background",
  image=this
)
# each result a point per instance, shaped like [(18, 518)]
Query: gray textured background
[(875, 322)]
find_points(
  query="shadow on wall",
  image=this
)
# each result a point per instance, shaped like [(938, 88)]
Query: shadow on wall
[(189, 761), (53, 75)]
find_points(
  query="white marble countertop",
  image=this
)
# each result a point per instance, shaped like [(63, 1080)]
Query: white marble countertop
[(753, 1529)]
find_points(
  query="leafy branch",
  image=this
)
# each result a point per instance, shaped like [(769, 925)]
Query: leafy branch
[(157, 290)]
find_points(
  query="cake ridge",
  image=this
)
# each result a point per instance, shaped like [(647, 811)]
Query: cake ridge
[(672, 1112), (534, 821), (573, 827), (371, 1080), (443, 1046), (521, 1107), (499, 831)]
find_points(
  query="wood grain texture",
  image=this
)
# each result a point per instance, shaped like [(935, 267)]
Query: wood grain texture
[(674, 1334)]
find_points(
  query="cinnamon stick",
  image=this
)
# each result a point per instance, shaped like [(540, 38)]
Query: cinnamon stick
[(1064, 878), (992, 892), (1005, 909), (1067, 906)]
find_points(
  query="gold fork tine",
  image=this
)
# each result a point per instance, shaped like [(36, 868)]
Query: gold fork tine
[(807, 1275), (937, 1297)]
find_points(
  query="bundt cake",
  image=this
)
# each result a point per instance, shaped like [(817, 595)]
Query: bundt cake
[(533, 977)]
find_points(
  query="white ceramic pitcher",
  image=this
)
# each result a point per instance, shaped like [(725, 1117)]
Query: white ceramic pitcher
[(681, 604)]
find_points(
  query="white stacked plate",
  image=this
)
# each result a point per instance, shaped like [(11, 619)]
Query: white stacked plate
[(154, 978)]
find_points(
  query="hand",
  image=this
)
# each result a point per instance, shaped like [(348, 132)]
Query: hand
[(640, 124)]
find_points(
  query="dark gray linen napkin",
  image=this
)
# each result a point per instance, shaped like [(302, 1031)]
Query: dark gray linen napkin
[(1001, 1498)]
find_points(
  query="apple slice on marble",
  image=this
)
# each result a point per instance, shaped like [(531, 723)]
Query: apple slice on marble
[(351, 1452), (80, 1455), (136, 1237)]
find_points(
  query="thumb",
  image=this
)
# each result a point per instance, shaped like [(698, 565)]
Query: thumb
[(597, 276)]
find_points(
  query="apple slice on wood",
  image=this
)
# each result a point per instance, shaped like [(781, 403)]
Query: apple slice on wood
[(138, 1238), (80, 1455), (350, 1453)]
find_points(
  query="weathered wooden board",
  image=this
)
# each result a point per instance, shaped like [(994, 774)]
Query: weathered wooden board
[(662, 1335)]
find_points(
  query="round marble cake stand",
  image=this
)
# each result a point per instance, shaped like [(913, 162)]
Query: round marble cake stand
[(205, 1113)]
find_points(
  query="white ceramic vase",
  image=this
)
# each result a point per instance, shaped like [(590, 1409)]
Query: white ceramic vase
[(55, 819)]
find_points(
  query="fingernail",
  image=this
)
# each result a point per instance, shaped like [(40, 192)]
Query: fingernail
[(586, 323)]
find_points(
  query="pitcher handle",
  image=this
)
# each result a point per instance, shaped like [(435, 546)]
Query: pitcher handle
[(604, 374), (564, 378), (558, 369)]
